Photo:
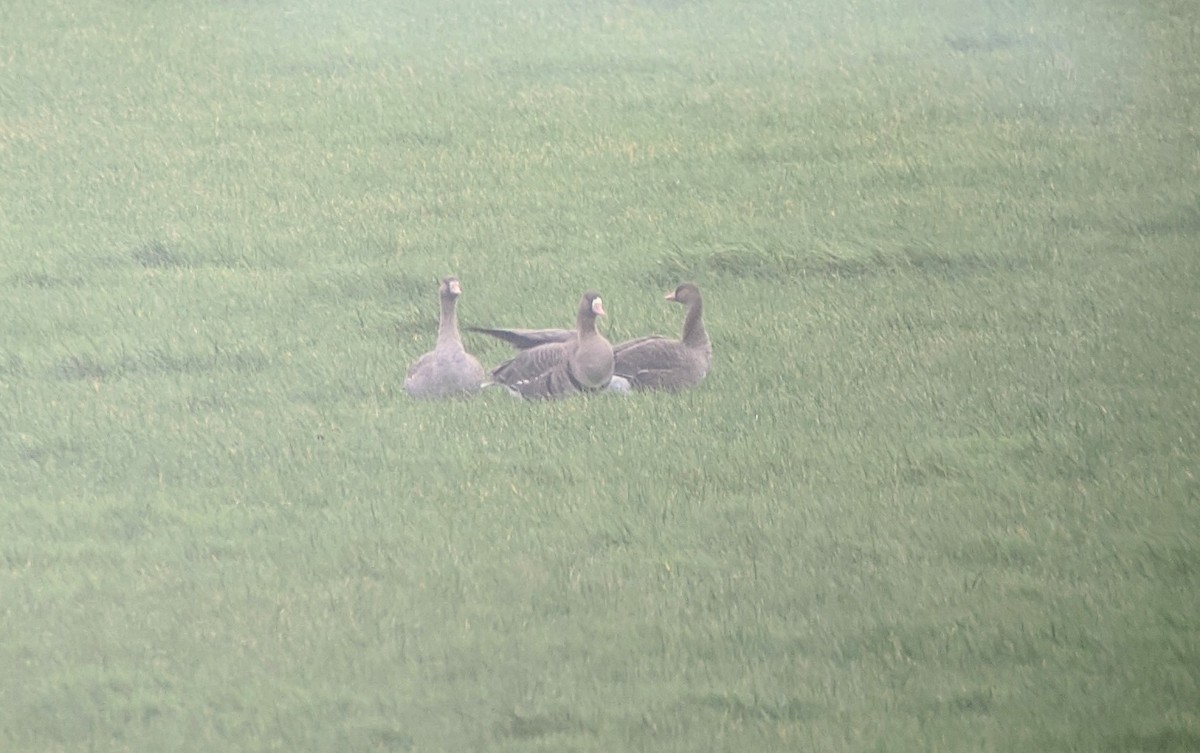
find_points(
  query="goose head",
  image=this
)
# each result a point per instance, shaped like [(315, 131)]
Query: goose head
[(591, 306), (686, 293), (450, 288)]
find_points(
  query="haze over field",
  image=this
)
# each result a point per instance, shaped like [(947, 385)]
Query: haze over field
[(938, 491)]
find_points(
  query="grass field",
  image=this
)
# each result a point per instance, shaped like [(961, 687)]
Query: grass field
[(939, 492)]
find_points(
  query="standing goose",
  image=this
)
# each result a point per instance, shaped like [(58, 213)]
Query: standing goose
[(658, 363), (448, 370), (579, 360)]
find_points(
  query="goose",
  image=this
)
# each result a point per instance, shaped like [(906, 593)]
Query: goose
[(448, 370), (561, 364), (652, 362), (655, 362)]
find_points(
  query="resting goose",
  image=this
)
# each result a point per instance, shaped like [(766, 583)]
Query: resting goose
[(579, 360), (447, 370), (658, 363)]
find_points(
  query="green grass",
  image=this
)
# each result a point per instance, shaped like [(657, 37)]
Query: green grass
[(939, 492)]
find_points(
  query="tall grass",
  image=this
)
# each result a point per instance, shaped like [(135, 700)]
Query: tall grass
[(938, 493)]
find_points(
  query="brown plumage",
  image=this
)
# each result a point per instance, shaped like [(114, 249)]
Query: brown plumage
[(563, 363), (655, 362)]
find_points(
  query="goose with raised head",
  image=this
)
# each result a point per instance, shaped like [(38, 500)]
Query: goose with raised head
[(655, 362), (579, 360), (448, 370)]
